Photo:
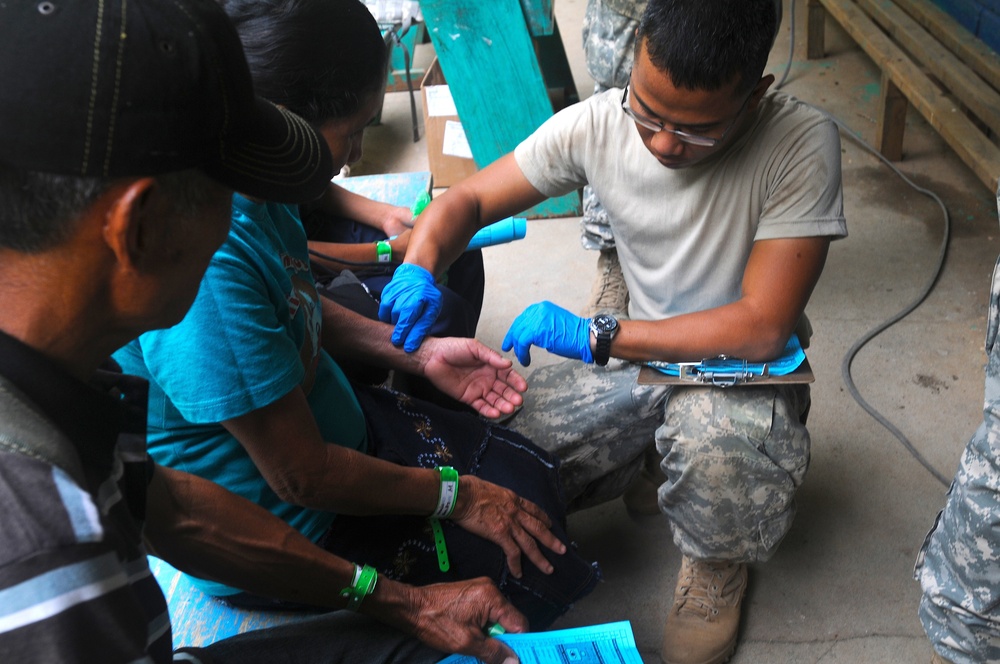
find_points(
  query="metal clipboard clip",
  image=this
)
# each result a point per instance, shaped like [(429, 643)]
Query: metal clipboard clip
[(721, 371)]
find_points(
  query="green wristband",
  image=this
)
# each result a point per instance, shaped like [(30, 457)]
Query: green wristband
[(444, 564), (362, 586), (383, 251)]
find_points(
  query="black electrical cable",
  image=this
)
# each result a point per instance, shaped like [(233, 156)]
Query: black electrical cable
[(845, 367), (397, 37)]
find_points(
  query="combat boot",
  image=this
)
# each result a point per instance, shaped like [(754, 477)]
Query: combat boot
[(609, 294), (938, 659), (704, 620)]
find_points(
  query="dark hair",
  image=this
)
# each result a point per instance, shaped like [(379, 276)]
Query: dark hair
[(703, 44), (321, 59), (39, 211)]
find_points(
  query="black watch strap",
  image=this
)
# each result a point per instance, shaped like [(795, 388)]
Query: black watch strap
[(604, 328), (602, 352)]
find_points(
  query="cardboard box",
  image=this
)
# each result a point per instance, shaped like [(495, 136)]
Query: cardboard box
[(448, 153)]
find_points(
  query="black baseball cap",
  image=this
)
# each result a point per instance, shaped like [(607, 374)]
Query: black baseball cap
[(111, 88)]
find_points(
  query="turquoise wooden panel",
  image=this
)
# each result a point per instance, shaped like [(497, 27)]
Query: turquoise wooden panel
[(198, 619), (489, 61), (538, 15), (394, 188)]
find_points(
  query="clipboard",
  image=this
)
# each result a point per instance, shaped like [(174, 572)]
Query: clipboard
[(802, 374)]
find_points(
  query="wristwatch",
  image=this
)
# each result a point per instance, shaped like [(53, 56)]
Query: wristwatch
[(604, 328)]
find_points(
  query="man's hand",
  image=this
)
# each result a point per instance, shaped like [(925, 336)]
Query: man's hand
[(475, 374), (550, 327), (454, 617), (513, 523), (411, 302)]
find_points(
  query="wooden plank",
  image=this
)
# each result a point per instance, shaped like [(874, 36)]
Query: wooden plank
[(538, 15), (489, 60), (197, 619), (555, 67), (892, 120), (955, 75), (973, 51), (978, 152), (394, 188), (816, 32)]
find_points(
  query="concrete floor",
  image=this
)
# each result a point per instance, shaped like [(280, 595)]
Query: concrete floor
[(840, 589)]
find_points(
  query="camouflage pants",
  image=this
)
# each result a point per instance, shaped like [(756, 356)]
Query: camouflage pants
[(608, 43), (731, 458), (959, 565), (609, 40)]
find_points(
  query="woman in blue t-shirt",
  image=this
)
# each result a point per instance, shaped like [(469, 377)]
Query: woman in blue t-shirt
[(247, 390), (332, 72)]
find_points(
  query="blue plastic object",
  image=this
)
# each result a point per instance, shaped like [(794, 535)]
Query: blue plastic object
[(505, 230)]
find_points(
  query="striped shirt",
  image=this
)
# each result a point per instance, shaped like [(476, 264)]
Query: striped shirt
[(74, 582)]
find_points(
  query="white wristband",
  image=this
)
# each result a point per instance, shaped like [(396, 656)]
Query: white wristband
[(448, 494)]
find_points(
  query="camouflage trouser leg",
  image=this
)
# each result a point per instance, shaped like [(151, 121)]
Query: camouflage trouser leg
[(959, 565), (733, 459), (595, 229), (608, 43), (597, 421)]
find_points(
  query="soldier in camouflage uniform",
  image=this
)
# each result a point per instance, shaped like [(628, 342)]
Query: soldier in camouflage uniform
[(723, 198), (959, 565), (609, 30), (608, 43)]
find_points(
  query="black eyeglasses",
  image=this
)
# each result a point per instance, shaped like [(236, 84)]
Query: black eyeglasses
[(691, 139)]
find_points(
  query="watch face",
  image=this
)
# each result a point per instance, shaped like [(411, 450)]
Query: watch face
[(604, 323)]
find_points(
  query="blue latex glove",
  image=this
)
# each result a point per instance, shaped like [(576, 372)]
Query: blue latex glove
[(550, 327), (411, 301)]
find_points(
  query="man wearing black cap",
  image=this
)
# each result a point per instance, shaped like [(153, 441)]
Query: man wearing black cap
[(124, 128)]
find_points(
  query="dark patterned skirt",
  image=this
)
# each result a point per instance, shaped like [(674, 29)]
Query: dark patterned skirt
[(410, 432)]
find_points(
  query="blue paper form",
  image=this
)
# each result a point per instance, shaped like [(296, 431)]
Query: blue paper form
[(611, 643)]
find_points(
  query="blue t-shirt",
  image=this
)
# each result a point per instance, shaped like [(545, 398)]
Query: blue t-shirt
[(251, 336)]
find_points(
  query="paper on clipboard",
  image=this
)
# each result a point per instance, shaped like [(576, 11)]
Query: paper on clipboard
[(804, 374), (791, 366)]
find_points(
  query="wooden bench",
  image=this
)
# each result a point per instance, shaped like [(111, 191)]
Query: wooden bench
[(197, 619), (396, 188), (927, 60)]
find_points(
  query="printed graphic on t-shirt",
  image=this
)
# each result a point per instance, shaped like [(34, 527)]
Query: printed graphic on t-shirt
[(305, 300)]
